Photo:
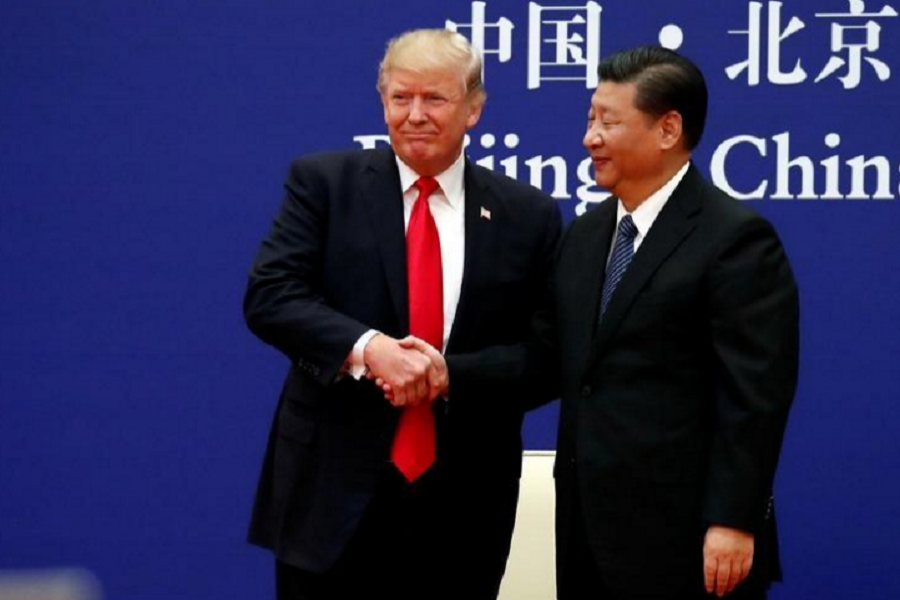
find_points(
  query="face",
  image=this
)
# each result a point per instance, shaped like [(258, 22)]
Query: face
[(427, 116), (625, 144)]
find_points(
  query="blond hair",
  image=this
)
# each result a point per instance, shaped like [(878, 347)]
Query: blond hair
[(424, 50)]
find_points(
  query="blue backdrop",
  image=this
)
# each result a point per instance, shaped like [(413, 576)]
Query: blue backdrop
[(143, 149)]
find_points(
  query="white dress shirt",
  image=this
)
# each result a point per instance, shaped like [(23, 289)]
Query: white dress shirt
[(448, 208), (645, 214)]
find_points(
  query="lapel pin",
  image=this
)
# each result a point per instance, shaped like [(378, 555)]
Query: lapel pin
[(485, 213)]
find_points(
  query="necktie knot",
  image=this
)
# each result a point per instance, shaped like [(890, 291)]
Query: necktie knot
[(426, 186), (627, 228)]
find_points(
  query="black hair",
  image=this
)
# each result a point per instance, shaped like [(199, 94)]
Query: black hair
[(665, 81)]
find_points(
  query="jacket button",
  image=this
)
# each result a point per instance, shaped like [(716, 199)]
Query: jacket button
[(586, 391)]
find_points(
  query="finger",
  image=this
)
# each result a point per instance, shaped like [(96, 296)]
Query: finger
[(433, 354), (421, 346), (422, 390), (444, 386), (435, 380), (432, 377), (722, 575), (746, 565), (737, 574), (412, 393), (709, 573), (434, 390), (410, 341), (399, 396)]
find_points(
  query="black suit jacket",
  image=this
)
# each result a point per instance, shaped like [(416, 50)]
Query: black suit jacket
[(334, 266), (674, 407)]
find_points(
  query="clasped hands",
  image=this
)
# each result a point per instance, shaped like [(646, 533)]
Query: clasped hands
[(408, 371)]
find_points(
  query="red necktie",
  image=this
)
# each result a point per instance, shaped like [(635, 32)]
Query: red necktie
[(413, 450)]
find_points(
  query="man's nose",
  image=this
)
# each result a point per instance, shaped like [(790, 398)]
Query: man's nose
[(417, 111), (592, 138)]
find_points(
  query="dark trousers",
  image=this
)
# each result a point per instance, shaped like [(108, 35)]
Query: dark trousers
[(395, 553), (581, 578), (444, 537)]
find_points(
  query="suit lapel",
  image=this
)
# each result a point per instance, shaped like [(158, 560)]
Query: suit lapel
[(480, 260), (380, 193), (675, 222), (586, 276)]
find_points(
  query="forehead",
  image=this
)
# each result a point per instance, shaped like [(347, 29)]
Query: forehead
[(610, 95), (428, 78)]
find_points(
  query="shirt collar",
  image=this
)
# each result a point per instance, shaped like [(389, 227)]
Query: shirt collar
[(451, 180), (645, 214)]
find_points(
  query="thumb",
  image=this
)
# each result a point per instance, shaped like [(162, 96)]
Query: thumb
[(411, 341)]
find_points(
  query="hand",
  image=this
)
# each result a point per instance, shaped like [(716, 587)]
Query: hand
[(438, 375), (404, 372), (727, 558)]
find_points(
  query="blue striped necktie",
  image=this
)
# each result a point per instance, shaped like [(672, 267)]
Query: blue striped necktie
[(621, 256)]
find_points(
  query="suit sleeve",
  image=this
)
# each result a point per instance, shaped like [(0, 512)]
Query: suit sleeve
[(284, 304), (521, 371), (755, 338)]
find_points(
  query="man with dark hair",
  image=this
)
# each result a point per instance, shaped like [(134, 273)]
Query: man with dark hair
[(677, 328), (423, 269)]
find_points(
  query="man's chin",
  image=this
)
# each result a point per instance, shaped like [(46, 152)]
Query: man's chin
[(604, 182), (416, 156)]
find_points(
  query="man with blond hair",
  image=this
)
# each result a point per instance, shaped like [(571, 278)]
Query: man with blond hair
[(400, 282)]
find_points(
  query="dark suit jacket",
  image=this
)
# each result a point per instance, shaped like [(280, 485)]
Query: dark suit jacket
[(334, 266), (674, 408)]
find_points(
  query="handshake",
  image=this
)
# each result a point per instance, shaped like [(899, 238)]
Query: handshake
[(408, 371)]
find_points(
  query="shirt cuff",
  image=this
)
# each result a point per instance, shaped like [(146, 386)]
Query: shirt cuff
[(356, 364)]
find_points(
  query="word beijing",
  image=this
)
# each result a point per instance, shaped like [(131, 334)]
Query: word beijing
[(780, 172)]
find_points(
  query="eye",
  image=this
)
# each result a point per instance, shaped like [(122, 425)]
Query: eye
[(436, 99)]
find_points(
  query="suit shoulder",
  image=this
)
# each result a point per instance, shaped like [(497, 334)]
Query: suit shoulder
[(334, 161), (727, 208), (594, 216), (319, 177), (506, 186), (725, 219), (730, 223)]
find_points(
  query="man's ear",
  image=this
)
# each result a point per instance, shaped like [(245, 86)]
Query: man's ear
[(670, 130), (475, 107)]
